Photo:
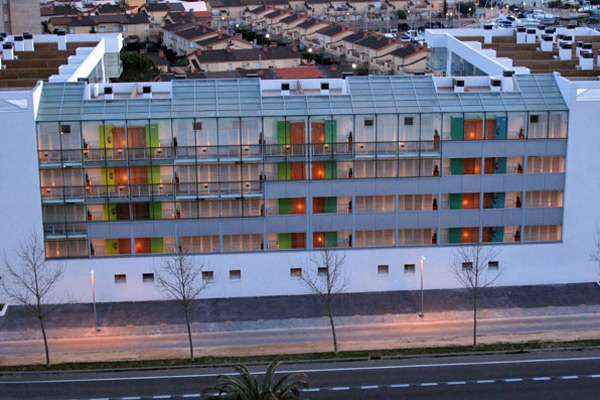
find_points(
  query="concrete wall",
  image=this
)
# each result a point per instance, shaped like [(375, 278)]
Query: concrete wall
[(25, 16)]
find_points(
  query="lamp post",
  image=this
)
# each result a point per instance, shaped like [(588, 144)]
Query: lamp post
[(422, 297), (94, 301)]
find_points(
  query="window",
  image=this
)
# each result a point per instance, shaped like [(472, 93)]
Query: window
[(197, 126), (322, 271), (285, 86), (467, 266), (534, 119), (295, 273), (65, 129), (368, 122), (120, 278), (409, 268), (235, 275), (408, 121), (208, 276), (383, 269), (324, 85), (493, 265), (148, 278)]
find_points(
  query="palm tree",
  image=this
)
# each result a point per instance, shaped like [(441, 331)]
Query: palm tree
[(247, 387)]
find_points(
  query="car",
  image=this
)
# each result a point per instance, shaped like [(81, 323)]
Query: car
[(403, 27)]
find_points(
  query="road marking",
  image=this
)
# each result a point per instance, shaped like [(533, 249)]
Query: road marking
[(341, 388), (486, 381), (315, 370), (369, 387), (594, 376), (569, 377), (457, 383), (311, 390), (428, 384), (400, 385), (541, 378), (513, 380), (165, 396), (192, 395), (131, 398)]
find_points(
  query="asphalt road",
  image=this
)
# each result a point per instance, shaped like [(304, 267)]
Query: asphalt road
[(543, 375), (321, 334)]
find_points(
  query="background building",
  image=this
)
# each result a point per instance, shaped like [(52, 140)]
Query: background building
[(18, 16)]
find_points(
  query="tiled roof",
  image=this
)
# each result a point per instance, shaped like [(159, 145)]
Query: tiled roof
[(214, 39), (331, 30), (180, 26), (158, 7), (404, 51), (291, 18), (258, 10), (375, 42), (272, 53), (274, 14), (112, 9), (58, 10), (86, 20), (195, 32), (309, 22), (305, 72)]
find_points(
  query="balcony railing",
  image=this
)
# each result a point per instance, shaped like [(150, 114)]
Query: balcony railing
[(64, 228)]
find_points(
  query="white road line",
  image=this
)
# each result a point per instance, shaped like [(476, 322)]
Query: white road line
[(131, 398), (348, 369), (541, 378), (165, 396), (570, 377), (428, 384), (594, 376), (485, 381), (400, 385), (513, 380), (369, 387), (341, 388), (456, 383), (192, 395), (311, 390)]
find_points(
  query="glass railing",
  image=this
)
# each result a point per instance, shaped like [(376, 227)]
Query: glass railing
[(64, 228)]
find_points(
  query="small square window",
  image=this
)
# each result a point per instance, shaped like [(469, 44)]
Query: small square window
[(409, 268), (120, 278), (197, 126), (147, 89), (322, 271), (235, 275), (65, 129), (467, 266), (409, 121), (148, 278), (493, 265), (368, 122), (208, 276), (383, 269), (296, 273), (534, 119), (108, 90), (285, 86), (324, 85)]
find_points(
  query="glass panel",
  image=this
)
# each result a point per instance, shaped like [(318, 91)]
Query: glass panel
[(558, 125), (517, 125), (409, 127)]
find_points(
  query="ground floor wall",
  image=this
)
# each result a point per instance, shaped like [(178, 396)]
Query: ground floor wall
[(269, 274)]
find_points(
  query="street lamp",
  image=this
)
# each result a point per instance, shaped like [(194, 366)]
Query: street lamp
[(94, 301), (422, 297), (354, 66)]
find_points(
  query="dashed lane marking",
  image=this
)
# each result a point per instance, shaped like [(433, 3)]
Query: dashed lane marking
[(541, 378), (131, 398), (369, 387), (341, 388), (457, 383), (311, 390), (192, 395), (400, 385), (569, 377), (485, 381), (513, 380), (428, 384), (166, 396)]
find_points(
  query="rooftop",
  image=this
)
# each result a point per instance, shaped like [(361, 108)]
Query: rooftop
[(265, 53)]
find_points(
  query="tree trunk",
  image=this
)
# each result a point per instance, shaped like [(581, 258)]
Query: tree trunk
[(474, 320), (189, 329), (335, 347), (45, 342)]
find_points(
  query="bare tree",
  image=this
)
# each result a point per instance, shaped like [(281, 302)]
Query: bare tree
[(470, 267), (324, 277), (180, 279), (595, 253), (30, 280)]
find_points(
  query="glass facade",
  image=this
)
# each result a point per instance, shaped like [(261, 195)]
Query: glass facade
[(176, 166)]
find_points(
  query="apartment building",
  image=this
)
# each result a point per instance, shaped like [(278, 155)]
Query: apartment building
[(19, 16), (252, 176)]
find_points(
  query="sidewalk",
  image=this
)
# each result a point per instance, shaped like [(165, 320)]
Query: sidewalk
[(289, 312)]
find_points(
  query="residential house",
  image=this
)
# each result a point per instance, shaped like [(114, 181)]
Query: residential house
[(287, 25), (230, 60), (237, 9), (330, 37), (223, 41), (367, 46), (182, 38), (158, 11), (58, 11), (119, 8), (405, 60), (306, 31), (158, 58), (133, 26)]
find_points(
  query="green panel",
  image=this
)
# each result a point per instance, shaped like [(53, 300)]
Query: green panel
[(283, 132), (330, 204), (498, 200), (330, 132), (456, 128), (156, 245), (111, 246), (152, 136), (454, 235), (456, 201), (330, 169), (498, 234), (284, 171), (156, 210), (285, 206), (456, 166), (501, 128), (500, 165), (331, 239), (154, 174), (110, 212), (285, 240)]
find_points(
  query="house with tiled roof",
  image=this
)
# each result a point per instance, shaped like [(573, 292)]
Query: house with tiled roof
[(231, 60), (271, 19), (120, 8), (223, 41), (239, 8), (158, 11), (132, 26), (367, 46), (58, 11), (307, 31), (330, 37), (182, 38), (288, 25), (404, 60)]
